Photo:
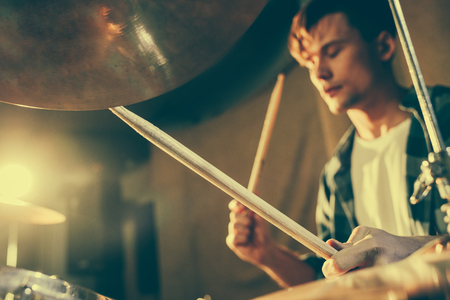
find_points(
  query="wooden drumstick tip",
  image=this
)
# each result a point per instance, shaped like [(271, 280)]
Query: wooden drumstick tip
[(266, 133)]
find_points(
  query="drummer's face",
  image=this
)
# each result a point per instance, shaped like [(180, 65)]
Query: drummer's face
[(342, 66)]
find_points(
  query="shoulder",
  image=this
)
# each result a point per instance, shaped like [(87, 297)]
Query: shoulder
[(440, 101), (440, 97), (439, 90)]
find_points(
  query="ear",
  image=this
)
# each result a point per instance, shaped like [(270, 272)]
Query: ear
[(386, 46)]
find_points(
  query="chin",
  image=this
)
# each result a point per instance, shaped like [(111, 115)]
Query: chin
[(336, 108)]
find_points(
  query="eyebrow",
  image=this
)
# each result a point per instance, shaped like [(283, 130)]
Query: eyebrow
[(332, 43), (327, 45)]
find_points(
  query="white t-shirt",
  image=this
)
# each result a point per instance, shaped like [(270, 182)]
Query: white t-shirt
[(378, 170)]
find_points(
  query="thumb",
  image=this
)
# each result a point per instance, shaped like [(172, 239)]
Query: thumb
[(331, 268), (338, 245)]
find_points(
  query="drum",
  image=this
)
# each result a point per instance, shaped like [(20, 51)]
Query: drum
[(423, 275), (28, 285)]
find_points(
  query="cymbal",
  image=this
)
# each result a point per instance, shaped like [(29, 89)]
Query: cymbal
[(91, 55), (18, 211)]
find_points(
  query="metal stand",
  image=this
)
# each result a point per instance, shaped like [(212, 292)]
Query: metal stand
[(436, 169), (13, 237)]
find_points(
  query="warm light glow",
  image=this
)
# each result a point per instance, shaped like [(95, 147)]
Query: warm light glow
[(15, 181)]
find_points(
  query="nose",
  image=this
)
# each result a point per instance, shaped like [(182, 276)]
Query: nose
[(321, 70)]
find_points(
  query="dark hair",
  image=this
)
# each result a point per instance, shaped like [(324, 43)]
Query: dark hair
[(370, 17)]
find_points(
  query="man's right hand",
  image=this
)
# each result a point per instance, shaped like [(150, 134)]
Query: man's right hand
[(250, 238), (249, 235)]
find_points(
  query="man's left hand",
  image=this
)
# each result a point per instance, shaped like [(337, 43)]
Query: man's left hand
[(368, 247)]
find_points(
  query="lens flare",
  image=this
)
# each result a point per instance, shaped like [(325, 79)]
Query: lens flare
[(15, 180)]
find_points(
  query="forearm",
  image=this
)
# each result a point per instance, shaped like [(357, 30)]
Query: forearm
[(287, 269)]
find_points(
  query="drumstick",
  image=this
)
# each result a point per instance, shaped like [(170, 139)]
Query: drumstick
[(266, 134), (200, 166)]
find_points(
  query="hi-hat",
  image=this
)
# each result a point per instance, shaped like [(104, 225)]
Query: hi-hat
[(17, 211), (89, 55)]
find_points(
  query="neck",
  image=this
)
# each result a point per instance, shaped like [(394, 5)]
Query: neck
[(380, 113)]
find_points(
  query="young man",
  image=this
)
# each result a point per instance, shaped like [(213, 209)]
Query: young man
[(347, 46)]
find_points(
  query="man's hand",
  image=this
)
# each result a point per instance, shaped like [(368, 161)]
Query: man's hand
[(368, 247), (248, 235)]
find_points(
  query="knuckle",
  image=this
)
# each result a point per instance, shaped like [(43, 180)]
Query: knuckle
[(232, 204), (331, 268), (361, 228), (231, 241)]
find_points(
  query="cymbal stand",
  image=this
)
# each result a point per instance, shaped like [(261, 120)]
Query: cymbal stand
[(13, 235), (436, 169)]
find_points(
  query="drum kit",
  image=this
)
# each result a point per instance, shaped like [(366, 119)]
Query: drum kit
[(18, 283), (76, 55), (23, 284)]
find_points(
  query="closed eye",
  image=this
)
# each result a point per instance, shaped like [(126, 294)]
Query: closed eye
[(333, 51)]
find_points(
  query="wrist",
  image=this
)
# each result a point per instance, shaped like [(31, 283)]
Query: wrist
[(278, 254), (270, 257), (287, 268)]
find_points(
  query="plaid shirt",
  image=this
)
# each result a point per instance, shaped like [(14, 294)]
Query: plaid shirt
[(335, 214)]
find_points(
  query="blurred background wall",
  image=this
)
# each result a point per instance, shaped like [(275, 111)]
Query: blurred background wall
[(142, 226)]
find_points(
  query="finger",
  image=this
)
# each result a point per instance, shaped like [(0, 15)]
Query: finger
[(241, 218), (239, 240), (445, 208), (236, 243), (338, 245), (235, 205), (344, 260), (238, 229), (335, 267), (238, 234), (350, 257), (446, 219), (231, 242), (232, 204), (331, 269), (358, 234)]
